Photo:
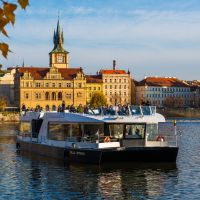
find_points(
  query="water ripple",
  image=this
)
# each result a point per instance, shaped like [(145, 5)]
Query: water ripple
[(31, 177)]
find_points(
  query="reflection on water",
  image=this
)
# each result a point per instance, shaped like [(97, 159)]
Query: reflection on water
[(23, 176)]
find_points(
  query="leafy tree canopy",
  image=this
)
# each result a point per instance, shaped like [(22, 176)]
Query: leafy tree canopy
[(98, 99), (3, 102), (7, 16)]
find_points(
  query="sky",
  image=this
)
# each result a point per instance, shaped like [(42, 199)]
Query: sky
[(147, 37)]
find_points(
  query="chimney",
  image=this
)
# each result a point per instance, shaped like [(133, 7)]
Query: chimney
[(114, 64)]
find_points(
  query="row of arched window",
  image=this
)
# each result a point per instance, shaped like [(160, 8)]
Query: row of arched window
[(53, 96)]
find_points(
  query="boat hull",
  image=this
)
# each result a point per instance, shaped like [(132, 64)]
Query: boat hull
[(97, 156)]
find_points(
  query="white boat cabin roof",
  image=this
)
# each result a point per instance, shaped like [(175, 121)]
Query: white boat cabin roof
[(66, 117)]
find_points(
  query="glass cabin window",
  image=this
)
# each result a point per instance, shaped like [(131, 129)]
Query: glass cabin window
[(136, 131), (92, 132), (63, 131), (152, 131), (116, 130)]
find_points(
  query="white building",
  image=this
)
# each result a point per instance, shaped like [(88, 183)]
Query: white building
[(163, 91), (7, 86)]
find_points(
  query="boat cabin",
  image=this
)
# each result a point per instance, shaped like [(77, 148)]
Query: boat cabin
[(138, 128)]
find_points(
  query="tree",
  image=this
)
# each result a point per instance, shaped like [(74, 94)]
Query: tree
[(3, 103), (98, 99), (7, 16)]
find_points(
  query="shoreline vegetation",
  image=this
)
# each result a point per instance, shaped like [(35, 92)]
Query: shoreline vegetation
[(167, 112), (180, 112)]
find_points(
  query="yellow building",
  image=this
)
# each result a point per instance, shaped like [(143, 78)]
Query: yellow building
[(49, 87), (94, 84), (116, 85)]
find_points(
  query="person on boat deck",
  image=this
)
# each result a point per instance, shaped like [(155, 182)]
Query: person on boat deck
[(137, 133), (23, 107), (63, 106)]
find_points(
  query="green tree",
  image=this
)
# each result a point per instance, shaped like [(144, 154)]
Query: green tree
[(7, 16), (3, 103), (98, 99)]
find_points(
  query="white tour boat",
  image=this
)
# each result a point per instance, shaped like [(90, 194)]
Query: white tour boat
[(98, 137)]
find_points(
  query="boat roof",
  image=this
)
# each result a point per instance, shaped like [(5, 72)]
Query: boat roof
[(67, 117)]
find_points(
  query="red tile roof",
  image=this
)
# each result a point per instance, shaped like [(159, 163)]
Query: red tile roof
[(40, 72), (116, 71), (162, 82), (94, 79)]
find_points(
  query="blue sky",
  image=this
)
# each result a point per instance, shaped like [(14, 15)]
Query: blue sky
[(148, 37)]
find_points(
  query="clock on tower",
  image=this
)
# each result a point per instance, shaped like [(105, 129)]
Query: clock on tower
[(60, 59)]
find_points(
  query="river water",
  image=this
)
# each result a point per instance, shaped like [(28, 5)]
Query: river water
[(30, 177)]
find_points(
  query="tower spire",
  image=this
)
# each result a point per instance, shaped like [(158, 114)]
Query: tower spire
[(58, 56), (58, 36)]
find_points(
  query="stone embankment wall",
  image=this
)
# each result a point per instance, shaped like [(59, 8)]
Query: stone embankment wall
[(167, 112), (180, 112), (9, 117)]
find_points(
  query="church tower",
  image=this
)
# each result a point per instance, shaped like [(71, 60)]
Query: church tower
[(58, 56)]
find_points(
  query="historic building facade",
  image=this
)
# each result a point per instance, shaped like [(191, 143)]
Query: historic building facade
[(163, 91), (116, 85), (94, 84), (49, 87), (7, 86)]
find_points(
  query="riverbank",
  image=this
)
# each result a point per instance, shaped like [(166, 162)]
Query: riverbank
[(180, 112), (167, 112), (9, 117)]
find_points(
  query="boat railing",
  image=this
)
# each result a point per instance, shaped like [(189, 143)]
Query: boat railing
[(124, 111), (163, 139), (101, 111)]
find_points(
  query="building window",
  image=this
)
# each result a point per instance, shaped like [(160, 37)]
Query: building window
[(53, 96), (110, 93), (115, 80), (59, 95), (79, 85), (106, 80), (53, 108), (59, 85), (124, 80), (94, 88), (90, 88), (79, 94), (68, 96), (111, 80), (26, 96), (99, 88), (37, 85), (68, 85), (47, 107), (105, 93), (47, 96), (53, 85), (47, 85), (120, 86), (105, 86), (125, 93), (110, 86), (37, 96), (26, 84), (125, 87), (115, 86), (120, 80)]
